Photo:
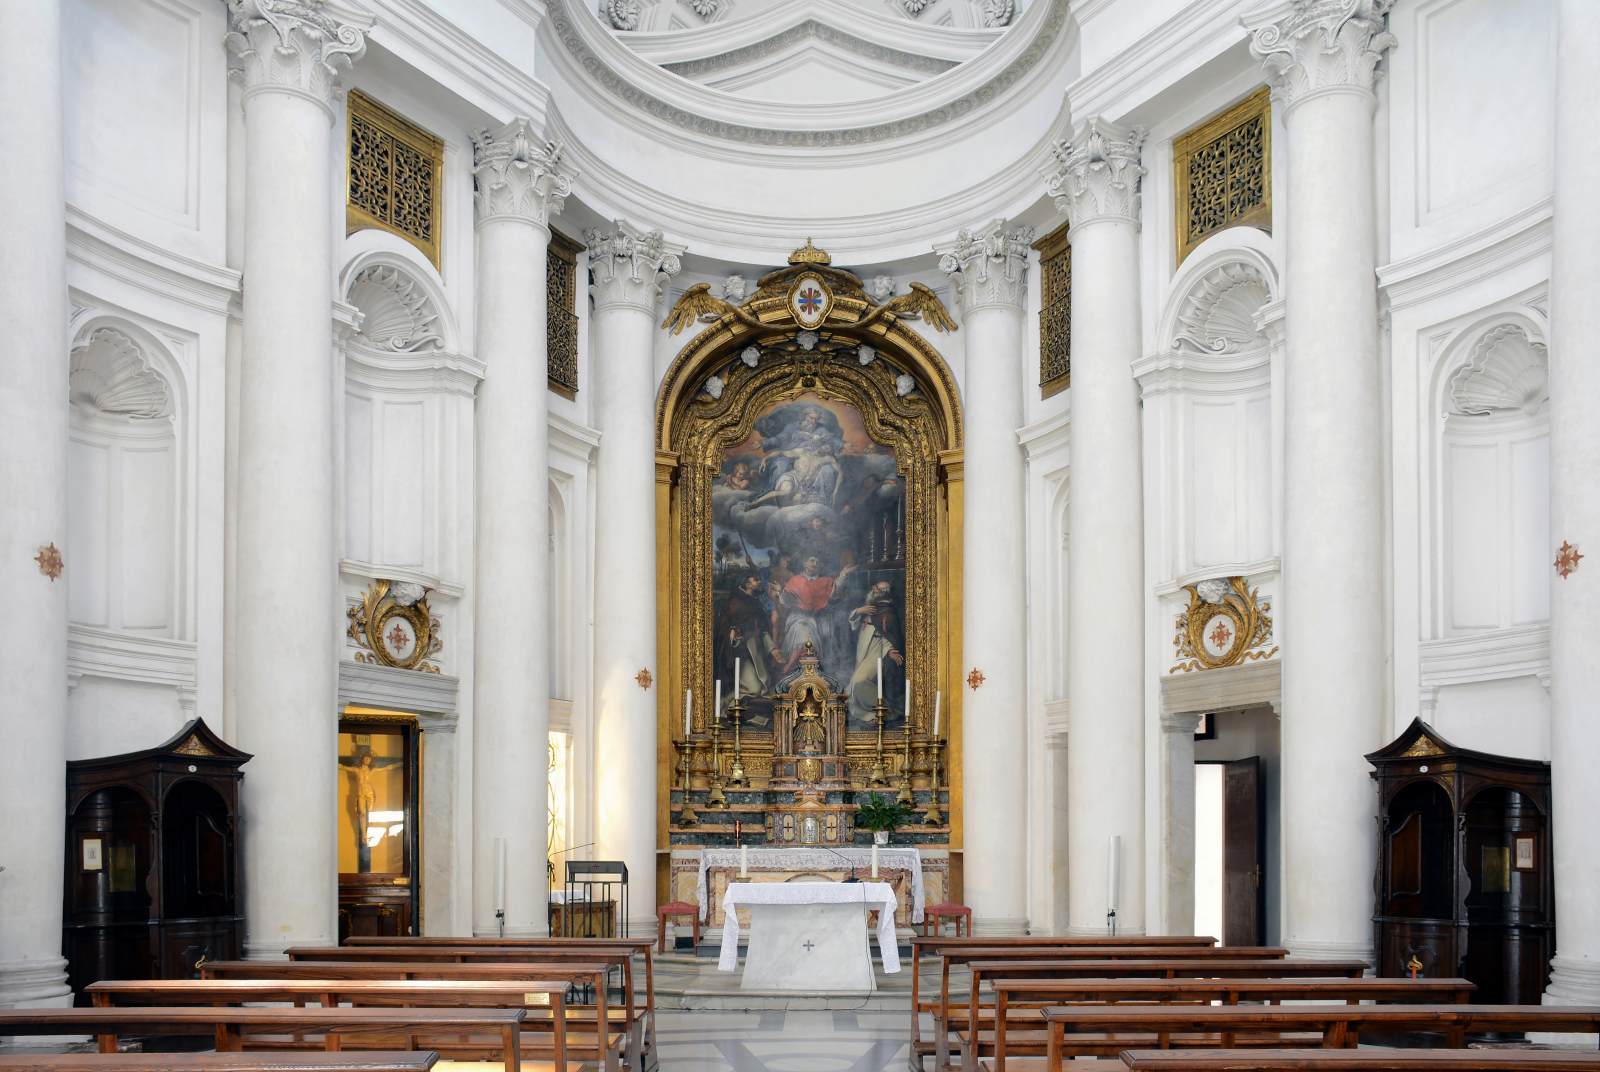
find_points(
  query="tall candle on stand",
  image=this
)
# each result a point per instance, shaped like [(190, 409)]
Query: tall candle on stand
[(880, 678), (735, 679), (1113, 873), (908, 703), (688, 708), (499, 874), (937, 696), (874, 859), (716, 703)]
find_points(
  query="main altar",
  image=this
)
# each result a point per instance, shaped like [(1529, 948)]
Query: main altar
[(809, 550)]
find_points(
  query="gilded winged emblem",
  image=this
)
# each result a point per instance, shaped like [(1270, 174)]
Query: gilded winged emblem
[(699, 304), (922, 303)]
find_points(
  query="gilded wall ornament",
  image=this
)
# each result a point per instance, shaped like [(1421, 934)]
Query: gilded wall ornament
[(1226, 623), (1567, 559), (50, 561), (975, 678), (644, 679), (394, 627)]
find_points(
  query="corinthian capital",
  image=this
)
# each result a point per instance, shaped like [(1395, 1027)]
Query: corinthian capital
[(291, 46), (989, 266), (518, 175), (629, 265), (1311, 47), (1096, 174)]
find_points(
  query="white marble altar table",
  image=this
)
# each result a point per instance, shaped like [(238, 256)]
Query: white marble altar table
[(809, 936), (806, 858)]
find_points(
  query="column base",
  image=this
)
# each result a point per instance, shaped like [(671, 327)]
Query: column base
[(1573, 982), (1316, 949), (275, 950), (34, 983), (510, 932), (1000, 926), (1102, 932)]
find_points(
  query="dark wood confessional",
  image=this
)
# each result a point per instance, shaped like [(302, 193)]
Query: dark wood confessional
[(152, 860), (1464, 884)]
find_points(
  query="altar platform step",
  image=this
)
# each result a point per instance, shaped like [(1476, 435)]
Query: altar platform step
[(693, 983)]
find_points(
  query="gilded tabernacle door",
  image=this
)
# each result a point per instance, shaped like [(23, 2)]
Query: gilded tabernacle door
[(808, 523)]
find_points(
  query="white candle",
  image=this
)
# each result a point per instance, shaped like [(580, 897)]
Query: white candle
[(908, 703), (735, 679), (716, 703), (880, 678), (1113, 872), (744, 861), (688, 709), (874, 859), (937, 696), (499, 874)]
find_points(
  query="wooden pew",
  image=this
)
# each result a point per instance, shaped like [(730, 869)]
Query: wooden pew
[(363, 1061), (550, 1032), (470, 1032), (1016, 1001), (927, 946), (616, 951), (1366, 1059), (590, 974), (1094, 1030), (1037, 963)]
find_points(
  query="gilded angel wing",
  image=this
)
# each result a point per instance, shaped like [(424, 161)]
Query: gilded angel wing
[(924, 303), (696, 302)]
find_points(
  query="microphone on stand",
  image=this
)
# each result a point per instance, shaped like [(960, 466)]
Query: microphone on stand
[(853, 877)]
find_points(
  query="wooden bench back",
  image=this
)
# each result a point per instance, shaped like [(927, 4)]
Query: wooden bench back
[(361, 1061), (1366, 1059)]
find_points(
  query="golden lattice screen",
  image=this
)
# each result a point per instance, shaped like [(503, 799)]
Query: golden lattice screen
[(561, 299), (1222, 172), (394, 170), (1055, 311)]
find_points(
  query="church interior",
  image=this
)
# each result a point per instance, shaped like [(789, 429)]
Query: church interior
[(745, 535)]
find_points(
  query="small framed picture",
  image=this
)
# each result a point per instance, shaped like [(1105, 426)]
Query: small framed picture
[(92, 847), (1524, 853)]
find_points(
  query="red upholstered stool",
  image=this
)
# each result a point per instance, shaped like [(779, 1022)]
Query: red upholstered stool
[(676, 910), (933, 918)]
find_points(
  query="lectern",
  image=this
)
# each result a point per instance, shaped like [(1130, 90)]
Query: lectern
[(592, 885)]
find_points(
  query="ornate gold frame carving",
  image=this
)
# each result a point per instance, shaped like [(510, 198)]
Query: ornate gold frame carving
[(1188, 144), (1243, 608), (369, 618), (693, 429)]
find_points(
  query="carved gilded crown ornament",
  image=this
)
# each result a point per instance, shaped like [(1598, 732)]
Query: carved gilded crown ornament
[(394, 627), (1225, 624)]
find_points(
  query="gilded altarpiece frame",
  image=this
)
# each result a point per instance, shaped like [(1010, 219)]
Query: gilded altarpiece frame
[(862, 355)]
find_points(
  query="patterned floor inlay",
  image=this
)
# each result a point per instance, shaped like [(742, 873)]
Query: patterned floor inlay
[(781, 1041)]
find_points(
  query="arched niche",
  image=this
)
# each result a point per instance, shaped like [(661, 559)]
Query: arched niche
[(852, 351)]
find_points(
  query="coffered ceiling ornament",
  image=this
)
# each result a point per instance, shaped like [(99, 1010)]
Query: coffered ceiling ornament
[(629, 265), (989, 266), (1225, 624), (1218, 315), (393, 626), (998, 12), (1506, 372), (396, 313), (915, 7), (291, 44), (109, 372), (1319, 46), (706, 9), (621, 14), (1096, 174), (517, 173)]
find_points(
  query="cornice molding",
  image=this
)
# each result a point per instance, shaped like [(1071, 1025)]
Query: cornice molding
[(291, 46), (98, 245), (1195, 36), (1490, 251), (518, 175), (428, 41), (1313, 47)]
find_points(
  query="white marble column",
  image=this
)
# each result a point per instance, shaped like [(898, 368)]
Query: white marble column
[(628, 266), (1177, 821), (33, 510), (990, 269), (1096, 184), (1575, 509), (289, 56), (1320, 59), (520, 185)]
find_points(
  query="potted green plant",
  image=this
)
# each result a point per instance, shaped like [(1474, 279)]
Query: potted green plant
[(881, 815)]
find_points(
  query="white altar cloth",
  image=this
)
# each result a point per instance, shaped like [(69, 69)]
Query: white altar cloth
[(878, 895), (814, 859)]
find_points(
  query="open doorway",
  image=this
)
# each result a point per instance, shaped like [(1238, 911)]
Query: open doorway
[(1237, 848)]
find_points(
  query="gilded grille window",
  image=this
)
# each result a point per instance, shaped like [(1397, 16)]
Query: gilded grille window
[(1223, 172), (561, 299), (394, 170), (1055, 312)]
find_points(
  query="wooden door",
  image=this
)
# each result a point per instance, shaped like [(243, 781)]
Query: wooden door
[(1242, 899)]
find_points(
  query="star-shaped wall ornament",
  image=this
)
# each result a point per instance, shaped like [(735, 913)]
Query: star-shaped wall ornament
[(975, 678), (1567, 559), (50, 561), (643, 678)]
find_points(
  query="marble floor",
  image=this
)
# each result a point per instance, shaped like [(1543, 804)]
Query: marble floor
[(780, 1041)]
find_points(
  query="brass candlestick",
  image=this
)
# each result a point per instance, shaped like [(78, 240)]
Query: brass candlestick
[(933, 816), (686, 814), (736, 775), (880, 773), (714, 796), (905, 796)]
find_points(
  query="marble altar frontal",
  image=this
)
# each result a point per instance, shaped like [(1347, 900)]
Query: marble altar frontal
[(809, 937)]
